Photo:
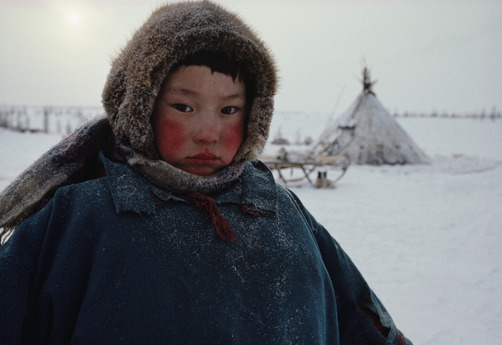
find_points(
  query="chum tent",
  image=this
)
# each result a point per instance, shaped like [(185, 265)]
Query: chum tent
[(367, 134)]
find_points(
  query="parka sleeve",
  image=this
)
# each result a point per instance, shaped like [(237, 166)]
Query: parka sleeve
[(362, 317), (18, 265)]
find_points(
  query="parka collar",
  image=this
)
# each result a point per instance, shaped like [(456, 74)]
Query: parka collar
[(255, 188), (132, 192)]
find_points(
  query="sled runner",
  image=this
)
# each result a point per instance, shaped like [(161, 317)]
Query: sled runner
[(303, 169)]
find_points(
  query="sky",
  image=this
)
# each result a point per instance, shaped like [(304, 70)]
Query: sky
[(426, 56)]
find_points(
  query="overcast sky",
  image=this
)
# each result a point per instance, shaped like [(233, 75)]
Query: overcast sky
[(425, 55)]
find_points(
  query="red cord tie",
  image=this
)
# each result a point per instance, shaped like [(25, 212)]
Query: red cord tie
[(221, 226)]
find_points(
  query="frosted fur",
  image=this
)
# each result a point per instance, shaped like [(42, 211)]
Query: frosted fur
[(169, 35), (178, 181), (172, 33)]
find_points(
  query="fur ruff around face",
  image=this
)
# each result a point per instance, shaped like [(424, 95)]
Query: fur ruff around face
[(172, 33)]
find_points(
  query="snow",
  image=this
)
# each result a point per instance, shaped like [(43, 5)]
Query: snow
[(426, 237)]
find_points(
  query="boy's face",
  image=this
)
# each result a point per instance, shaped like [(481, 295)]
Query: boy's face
[(199, 119)]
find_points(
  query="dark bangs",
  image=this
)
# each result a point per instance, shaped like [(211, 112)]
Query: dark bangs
[(220, 63)]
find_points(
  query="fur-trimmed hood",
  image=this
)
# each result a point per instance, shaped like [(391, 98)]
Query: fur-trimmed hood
[(172, 33)]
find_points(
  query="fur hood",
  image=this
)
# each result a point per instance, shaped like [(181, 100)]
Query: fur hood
[(172, 33)]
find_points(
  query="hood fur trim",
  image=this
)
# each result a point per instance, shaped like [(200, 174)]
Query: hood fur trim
[(169, 35), (177, 181), (172, 33)]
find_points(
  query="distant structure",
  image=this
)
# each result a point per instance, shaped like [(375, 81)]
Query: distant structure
[(368, 134)]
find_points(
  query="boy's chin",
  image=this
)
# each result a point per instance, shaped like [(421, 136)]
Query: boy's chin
[(200, 170)]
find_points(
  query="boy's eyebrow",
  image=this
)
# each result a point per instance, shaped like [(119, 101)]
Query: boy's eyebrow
[(184, 91), (235, 95), (180, 90)]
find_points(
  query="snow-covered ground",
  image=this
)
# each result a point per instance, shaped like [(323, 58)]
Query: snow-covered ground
[(427, 238)]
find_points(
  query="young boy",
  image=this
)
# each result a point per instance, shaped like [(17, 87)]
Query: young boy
[(174, 233)]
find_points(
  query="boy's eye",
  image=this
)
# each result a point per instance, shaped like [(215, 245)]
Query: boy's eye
[(229, 110), (182, 107)]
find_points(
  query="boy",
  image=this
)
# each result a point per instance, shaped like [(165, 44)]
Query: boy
[(174, 232)]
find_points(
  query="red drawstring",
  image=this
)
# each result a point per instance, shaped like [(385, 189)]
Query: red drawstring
[(211, 211), (245, 208)]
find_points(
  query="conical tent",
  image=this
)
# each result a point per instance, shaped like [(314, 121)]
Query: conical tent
[(368, 134)]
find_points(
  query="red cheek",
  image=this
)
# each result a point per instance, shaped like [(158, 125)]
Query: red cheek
[(172, 134), (234, 136), (170, 139)]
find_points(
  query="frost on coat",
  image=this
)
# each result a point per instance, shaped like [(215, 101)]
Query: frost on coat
[(150, 266)]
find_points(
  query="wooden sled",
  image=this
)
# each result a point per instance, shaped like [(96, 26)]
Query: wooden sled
[(321, 164)]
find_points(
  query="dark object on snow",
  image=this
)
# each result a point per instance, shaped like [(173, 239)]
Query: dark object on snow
[(72, 160)]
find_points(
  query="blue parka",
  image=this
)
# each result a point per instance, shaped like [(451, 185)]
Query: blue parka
[(116, 260)]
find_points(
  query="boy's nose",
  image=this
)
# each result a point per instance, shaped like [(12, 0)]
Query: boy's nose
[(207, 130)]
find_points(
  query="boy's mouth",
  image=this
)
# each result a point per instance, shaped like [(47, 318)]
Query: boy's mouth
[(204, 157)]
